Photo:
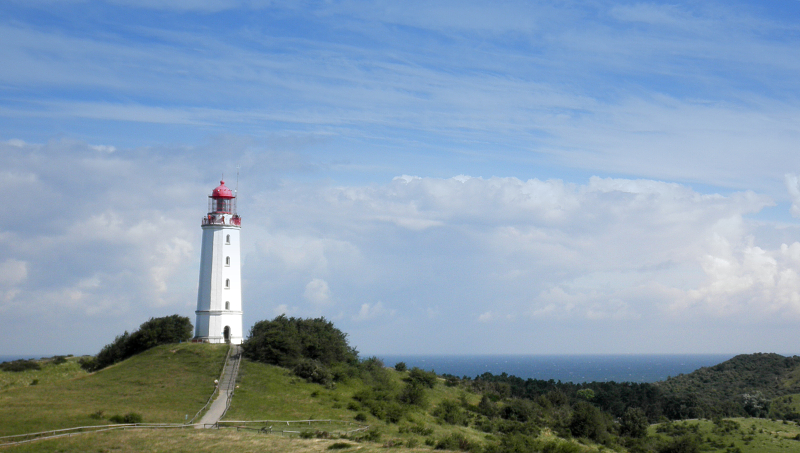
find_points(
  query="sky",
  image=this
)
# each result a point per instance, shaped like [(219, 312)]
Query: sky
[(460, 177)]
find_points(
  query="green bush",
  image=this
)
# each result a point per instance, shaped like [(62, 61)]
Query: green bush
[(284, 341), (413, 394), (457, 441), (451, 412), (58, 360), (421, 377), (156, 331), (400, 366), (130, 417), (18, 366), (313, 371), (339, 446)]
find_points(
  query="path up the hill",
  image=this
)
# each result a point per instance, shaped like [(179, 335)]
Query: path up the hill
[(226, 387)]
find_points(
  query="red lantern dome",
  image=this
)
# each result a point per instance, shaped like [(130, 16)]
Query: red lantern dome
[(222, 191)]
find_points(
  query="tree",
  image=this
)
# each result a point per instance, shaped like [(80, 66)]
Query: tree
[(634, 423), (284, 341), (154, 332)]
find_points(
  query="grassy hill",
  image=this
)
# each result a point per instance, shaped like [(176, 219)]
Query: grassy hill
[(168, 382), (163, 384), (743, 385)]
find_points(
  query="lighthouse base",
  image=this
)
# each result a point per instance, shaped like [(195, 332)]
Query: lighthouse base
[(218, 326)]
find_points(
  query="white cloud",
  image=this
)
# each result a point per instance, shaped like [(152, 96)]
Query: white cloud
[(369, 312), (317, 292), (793, 187)]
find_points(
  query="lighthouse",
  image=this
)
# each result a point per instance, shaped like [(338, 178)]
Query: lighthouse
[(219, 294)]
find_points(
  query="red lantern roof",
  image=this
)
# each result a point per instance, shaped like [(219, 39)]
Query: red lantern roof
[(222, 191)]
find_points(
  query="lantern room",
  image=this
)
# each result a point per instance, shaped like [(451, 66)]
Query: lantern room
[(222, 207), (222, 200)]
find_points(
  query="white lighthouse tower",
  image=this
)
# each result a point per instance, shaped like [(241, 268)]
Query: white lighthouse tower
[(219, 295)]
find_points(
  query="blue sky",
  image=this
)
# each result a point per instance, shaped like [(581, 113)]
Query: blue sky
[(457, 177)]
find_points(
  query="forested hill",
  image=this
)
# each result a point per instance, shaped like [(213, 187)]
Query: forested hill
[(748, 381)]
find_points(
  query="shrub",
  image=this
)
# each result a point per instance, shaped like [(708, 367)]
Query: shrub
[(339, 446), (587, 421), (413, 394), (421, 377), (18, 366), (283, 341), (58, 360), (400, 366), (313, 371), (156, 331), (633, 423), (361, 417), (456, 441), (130, 417), (451, 412)]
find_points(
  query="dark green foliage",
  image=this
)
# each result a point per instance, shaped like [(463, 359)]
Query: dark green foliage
[(283, 341), (589, 422), (130, 417), (456, 441), (487, 407), (400, 366), (633, 423), (360, 417), (340, 446), (414, 394), (451, 412), (58, 360), (421, 377), (313, 371), (740, 386), (18, 366), (156, 331), (519, 410)]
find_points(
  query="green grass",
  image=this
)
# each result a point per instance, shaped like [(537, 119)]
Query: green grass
[(163, 384), (191, 441), (749, 435), (48, 374)]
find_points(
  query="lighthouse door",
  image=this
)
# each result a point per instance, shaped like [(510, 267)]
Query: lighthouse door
[(226, 332)]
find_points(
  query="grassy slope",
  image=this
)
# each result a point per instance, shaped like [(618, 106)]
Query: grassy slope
[(163, 384), (771, 374), (751, 435), (48, 374), (268, 392), (192, 441)]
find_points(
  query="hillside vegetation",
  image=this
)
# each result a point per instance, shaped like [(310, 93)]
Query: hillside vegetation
[(163, 384), (304, 369)]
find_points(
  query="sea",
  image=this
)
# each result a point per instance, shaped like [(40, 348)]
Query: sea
[(565, 368)]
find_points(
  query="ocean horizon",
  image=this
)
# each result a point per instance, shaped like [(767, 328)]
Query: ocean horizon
[(576, 368), (581, 368)]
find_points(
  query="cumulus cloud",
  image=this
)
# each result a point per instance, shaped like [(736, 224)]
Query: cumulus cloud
[(317, 292), (436, 253), (372, 311), (793, 186)]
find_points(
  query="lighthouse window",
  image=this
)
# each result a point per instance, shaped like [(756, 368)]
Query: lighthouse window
[(227, 283), (227, 305), (227, 260), (228, 239)]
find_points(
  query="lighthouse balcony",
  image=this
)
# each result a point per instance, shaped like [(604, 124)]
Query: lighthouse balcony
[(221, 219)]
